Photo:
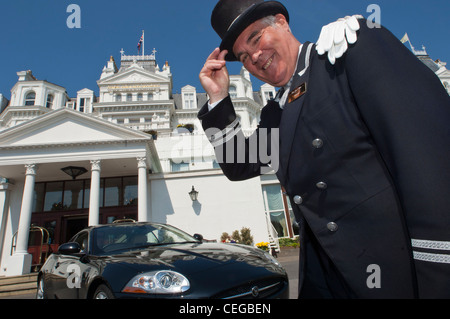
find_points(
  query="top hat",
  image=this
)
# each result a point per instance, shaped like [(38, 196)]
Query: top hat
[(231, 17)]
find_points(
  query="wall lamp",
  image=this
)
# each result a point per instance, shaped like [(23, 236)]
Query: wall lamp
[(193, 194)]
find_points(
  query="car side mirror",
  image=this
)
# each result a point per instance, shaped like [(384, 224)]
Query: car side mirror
[(198, 237), (69, 249)]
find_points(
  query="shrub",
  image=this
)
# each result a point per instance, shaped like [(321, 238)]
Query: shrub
[(243, 237), (224, 237), (246, 238), (236, 237), (289, 242)]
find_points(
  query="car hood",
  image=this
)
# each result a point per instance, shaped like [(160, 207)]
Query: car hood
[(190, 258)]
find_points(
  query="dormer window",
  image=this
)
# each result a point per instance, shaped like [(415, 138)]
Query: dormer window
[(189, 102), (188, 97), (30, 98), (268, 95), (50, 99)]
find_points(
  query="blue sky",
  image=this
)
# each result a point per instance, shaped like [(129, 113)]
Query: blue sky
[(34, 35)]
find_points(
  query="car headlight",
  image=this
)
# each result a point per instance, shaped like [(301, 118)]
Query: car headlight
[(158, 282)]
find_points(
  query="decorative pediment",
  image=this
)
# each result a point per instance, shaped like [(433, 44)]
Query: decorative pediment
[(132, 75), (66, 126)]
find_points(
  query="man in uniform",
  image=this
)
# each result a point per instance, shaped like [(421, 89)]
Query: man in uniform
[(363, 149)]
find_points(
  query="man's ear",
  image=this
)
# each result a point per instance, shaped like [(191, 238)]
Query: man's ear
[(281, 21)]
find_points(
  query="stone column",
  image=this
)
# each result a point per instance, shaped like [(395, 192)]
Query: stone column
[(142, 189), (94, 199), (5, 190), (21, 260), (26, 210)]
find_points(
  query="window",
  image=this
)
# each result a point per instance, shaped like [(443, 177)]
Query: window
[(118, 97), (53, 199), (140, 97), (30, 98), (179, 167), (189, 101), (279, 210), (129, 97), (82, 240), (150, 96), (130, 190), (233, 91), (75, 194), (112, 191), (50, 98), (268, 95), (134, 121), (82, 104)]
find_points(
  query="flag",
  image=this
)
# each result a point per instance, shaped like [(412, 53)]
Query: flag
[(405, 38), (140, 42)]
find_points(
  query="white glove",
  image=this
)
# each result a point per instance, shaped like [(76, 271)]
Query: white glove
[(332, 38)]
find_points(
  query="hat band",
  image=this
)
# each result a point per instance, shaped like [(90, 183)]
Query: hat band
[(240, 16)]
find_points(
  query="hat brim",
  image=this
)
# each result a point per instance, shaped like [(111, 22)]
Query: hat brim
[(252, 14)]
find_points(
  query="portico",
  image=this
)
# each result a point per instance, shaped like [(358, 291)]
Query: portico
[(34, 153)]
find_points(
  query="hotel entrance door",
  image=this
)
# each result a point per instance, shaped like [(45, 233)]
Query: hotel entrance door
[(72, 225)]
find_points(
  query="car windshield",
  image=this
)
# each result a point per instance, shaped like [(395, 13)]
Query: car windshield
[(126, 237)]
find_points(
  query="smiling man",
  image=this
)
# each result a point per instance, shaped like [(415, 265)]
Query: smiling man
[(363, 144)]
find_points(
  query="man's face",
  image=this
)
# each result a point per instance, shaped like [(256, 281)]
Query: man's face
[(268, 52)]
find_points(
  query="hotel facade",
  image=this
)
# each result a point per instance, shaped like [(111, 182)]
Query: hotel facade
[(134, 150)]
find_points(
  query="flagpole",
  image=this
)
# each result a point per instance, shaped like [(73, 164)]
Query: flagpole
[(143, 42)]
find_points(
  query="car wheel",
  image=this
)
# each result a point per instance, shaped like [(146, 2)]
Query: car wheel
[(103, 292), (40, 290)]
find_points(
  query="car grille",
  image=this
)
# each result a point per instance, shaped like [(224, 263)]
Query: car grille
[(254, 290)]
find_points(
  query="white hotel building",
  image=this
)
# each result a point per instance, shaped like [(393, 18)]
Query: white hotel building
[(141, 150)]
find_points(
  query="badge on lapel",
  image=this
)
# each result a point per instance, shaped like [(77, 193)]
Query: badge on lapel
[(296, 93)]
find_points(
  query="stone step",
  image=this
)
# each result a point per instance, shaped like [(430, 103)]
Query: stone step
[(12, 286)]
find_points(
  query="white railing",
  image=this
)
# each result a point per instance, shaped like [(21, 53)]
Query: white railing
[(137, 57)]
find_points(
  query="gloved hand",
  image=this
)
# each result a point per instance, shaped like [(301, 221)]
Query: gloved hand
[(335, 37)]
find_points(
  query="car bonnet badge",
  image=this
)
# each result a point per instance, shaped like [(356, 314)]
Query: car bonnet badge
[(255, 291)]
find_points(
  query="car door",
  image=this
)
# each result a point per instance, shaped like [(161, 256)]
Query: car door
[(68, 270)]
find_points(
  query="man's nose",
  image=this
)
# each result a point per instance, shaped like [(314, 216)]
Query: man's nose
[(255, 56)]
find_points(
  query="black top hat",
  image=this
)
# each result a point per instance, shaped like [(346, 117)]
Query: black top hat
[(230, 17)]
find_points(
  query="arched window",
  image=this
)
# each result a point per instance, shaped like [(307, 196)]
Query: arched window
[(129, 97), (50, 99), (118, 97), (140, 97), (30, 98)]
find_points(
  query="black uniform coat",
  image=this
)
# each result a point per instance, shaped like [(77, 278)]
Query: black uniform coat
[(364, 156)]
